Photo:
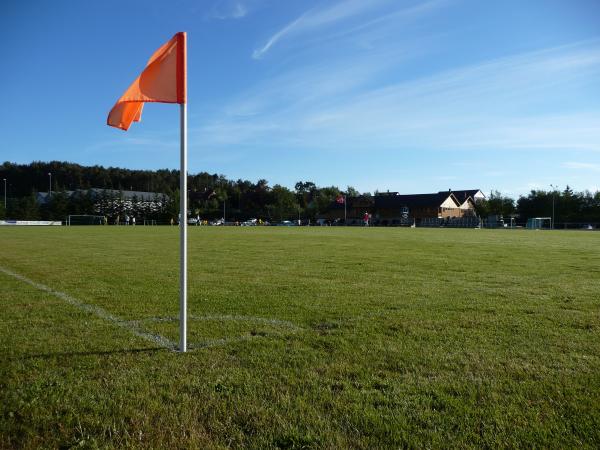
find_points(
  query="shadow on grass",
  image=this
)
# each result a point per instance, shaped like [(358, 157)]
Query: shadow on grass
[(91, 353)]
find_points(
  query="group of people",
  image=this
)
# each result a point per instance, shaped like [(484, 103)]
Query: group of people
[(128, 220)]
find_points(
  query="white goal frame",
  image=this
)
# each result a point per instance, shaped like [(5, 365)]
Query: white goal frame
[(537, 223)]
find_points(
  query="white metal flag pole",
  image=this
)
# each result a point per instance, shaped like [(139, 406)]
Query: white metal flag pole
[(183, 232)]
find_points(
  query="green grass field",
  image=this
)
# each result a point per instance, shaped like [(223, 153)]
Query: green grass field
[(302, 338)]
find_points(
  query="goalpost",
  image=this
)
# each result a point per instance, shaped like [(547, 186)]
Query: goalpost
[(84, 219), (511, 222), (539, 223)]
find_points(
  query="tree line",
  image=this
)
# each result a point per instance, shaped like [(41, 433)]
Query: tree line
[(211, 196), (214, 196), (566, 206)]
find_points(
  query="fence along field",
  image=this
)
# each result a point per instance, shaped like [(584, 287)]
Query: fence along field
[(301, 337)]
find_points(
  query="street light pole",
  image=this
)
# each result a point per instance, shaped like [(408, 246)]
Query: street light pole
[(50, 184), (553, 192), (4, 194)]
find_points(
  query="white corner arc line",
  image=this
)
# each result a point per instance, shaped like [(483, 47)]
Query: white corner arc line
[(97, 311), (228, 317)]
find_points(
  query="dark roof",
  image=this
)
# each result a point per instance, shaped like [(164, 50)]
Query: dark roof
[(411, 201), (464, 194)]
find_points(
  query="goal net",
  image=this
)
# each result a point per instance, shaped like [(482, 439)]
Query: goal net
[(539, 223), (85, 219)]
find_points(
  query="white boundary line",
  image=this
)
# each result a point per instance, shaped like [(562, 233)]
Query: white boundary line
[(97, 311), (134, 325)]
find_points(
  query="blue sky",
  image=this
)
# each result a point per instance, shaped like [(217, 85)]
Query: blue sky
[(410, 96)]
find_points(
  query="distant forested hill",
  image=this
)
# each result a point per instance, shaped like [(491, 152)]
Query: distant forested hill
[(24, 178)]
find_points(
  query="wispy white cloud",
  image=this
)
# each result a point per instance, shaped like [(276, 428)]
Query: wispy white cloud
[(593, 167), (317, 18), (519, 102), (382, 26), (228, 9), (258, 53)]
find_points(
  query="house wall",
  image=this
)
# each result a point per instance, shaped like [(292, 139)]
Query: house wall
[(388, 213), (450, 212), (423, 212), (467, 208)]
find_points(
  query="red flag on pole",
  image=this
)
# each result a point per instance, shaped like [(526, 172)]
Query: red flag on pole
[(164, 80), (341, 199)]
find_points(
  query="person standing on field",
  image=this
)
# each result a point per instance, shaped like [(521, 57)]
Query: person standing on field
[(133, 221)]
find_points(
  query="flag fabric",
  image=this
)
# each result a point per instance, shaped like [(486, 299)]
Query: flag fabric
[(164, 80), (340, 199)]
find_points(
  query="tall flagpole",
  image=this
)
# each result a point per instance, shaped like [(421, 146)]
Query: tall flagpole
[(183, 232), (158, 77)]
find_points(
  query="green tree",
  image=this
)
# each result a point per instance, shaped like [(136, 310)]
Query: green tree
[(500, 205), (26, 208), (324, 198), (351, 192), (305, 192), (283, 204), (537, 203), (58, 206), (569, 206)]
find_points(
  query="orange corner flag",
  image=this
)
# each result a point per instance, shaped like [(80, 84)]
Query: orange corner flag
[(164, 80)]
